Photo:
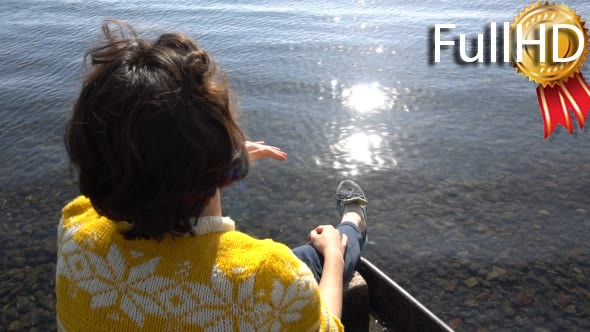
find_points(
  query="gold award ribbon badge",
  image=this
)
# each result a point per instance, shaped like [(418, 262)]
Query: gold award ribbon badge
[(549, 46)]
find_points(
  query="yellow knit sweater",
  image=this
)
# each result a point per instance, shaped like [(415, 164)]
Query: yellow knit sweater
[(219, 280)]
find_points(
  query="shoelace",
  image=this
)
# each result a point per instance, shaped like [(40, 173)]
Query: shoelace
[(348, 194)]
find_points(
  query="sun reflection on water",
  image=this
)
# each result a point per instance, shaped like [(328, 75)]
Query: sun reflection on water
[(364, 97), (360, 151), (359, 146), (356, 148)]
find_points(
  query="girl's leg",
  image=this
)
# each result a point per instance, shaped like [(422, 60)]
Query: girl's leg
[(315, 261)]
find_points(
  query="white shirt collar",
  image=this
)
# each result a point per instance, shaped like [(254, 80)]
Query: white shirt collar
[(214, 224)]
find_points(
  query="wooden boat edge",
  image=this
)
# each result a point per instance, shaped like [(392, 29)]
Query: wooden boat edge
[(395, 304)]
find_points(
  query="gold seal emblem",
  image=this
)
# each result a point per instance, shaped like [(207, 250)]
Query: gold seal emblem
[(536, 23)]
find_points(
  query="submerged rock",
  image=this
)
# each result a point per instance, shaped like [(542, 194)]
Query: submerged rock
[(507, 309), (10, 314), (520, 321), (455, 323), (563, 300), (15, 326), (22, 302), (571, 309), (471, 282), (495, 273), (483, 296), (523, 298), (450, 286)]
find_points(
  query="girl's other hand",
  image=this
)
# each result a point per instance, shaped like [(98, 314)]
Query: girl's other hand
[(328, 240), (259, 150)]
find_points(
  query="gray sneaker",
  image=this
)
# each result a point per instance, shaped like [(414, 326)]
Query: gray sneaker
[(349, 192)]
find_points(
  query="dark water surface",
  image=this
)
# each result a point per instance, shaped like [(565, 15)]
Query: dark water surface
[(471, 210)]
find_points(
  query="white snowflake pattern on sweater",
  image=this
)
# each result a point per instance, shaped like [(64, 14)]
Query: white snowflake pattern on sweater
[(137, 291)]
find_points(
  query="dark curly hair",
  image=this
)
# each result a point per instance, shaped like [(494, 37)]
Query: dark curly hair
[(152, 132)]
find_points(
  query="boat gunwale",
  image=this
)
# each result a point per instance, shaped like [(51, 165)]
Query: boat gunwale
[(370, 272)]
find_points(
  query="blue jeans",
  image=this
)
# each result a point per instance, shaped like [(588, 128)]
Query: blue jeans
[(310, 256)]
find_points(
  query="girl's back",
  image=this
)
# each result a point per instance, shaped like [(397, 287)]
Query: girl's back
[(218, 280)]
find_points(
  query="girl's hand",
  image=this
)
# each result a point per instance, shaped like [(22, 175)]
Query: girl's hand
[(259, 150), (328, 240)]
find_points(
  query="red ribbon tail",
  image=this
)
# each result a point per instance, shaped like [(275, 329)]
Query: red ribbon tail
[(577, 94), (554, 109), (556, 102)]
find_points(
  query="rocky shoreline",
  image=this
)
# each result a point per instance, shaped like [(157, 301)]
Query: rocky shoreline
[(28, 242)]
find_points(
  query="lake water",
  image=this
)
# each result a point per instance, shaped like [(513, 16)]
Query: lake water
[(471, 210)]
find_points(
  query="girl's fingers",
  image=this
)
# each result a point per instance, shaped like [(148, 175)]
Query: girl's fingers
[(256, 153), (278, 155), (313, 235)]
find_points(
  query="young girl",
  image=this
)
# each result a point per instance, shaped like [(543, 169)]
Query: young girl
[(145, 247)]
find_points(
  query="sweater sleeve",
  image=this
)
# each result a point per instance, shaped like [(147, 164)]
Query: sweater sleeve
[(288, 291)]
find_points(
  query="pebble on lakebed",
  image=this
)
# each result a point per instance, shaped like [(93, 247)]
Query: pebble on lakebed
[(471, 282), (496, 272)]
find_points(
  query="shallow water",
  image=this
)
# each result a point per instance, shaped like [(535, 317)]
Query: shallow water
[(471, 210)]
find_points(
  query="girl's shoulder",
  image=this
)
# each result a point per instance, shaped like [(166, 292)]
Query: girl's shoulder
[(242, 248), (77, 208)]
